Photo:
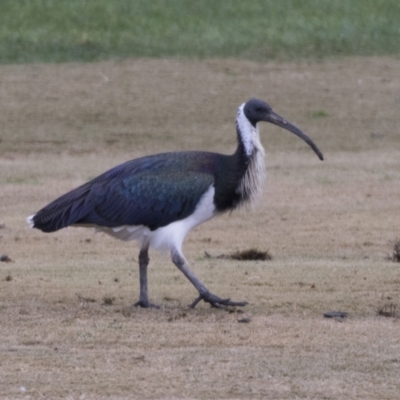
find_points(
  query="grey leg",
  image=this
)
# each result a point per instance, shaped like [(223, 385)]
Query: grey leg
[(143, 263), (204, 293)]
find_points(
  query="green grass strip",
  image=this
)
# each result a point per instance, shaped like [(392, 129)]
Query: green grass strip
[(88, 30)]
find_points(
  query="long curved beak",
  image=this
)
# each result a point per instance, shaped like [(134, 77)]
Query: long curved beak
[(276, 119)]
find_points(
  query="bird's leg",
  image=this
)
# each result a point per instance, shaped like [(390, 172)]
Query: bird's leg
[(143, 263), (204, 293)]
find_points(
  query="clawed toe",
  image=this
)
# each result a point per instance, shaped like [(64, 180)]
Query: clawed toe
[(217, 302), (145, 304)]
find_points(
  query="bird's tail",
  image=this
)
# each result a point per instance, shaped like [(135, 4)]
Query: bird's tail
[(64, 211), (30, 222)]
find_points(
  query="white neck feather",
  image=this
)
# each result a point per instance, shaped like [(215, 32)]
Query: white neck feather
[(253, 181), (249, 134)]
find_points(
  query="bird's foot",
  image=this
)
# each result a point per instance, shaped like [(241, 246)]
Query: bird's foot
[(145, 304), (216, 301)]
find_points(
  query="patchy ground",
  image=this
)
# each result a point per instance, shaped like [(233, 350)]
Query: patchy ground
[(66, 327)]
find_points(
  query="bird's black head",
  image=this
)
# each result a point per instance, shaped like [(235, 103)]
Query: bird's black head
[(257, 110)]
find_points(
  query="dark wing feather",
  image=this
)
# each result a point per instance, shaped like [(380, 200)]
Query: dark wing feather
[(152, 191)]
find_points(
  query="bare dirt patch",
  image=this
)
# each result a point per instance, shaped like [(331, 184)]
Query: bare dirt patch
[(65, 322)]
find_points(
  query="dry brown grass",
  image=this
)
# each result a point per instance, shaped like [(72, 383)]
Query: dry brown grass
[(66, 331)]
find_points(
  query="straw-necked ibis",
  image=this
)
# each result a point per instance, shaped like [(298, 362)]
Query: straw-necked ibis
[(158, 199)]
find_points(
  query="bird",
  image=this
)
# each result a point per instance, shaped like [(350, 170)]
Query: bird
[(157, 199)]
